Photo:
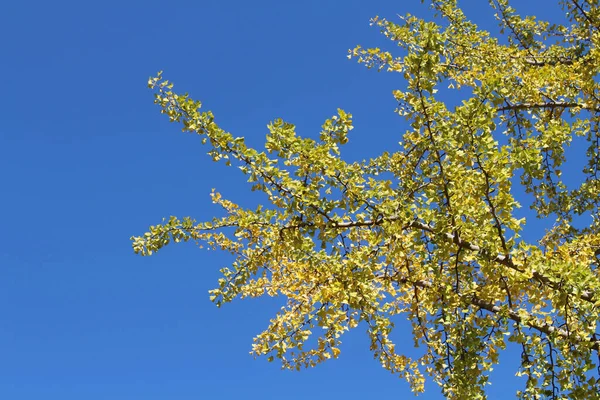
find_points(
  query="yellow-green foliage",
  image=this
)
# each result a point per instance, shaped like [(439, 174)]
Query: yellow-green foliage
[(438, 240)]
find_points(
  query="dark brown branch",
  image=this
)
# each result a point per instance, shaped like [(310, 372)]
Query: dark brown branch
[(557, 61), (585, 15), (529, 321), (499, 258), (553, 105), (585, 295)]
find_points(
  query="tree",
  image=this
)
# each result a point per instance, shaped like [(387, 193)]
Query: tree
[(429, 230)]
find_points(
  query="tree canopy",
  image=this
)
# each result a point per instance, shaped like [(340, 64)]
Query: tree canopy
[(429, 231)]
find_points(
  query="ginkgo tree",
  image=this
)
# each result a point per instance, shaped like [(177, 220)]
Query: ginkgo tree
[(428, 231)]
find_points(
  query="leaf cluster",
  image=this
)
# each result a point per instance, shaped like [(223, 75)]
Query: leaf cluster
[(430, 231)]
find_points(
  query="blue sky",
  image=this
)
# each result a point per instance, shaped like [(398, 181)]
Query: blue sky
[(86, 161)]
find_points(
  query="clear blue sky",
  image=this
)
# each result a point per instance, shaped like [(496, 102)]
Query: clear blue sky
[(86, 161)]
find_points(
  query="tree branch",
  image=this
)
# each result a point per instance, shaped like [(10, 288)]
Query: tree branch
[(553, 105), (520, 318), (585, 295)]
